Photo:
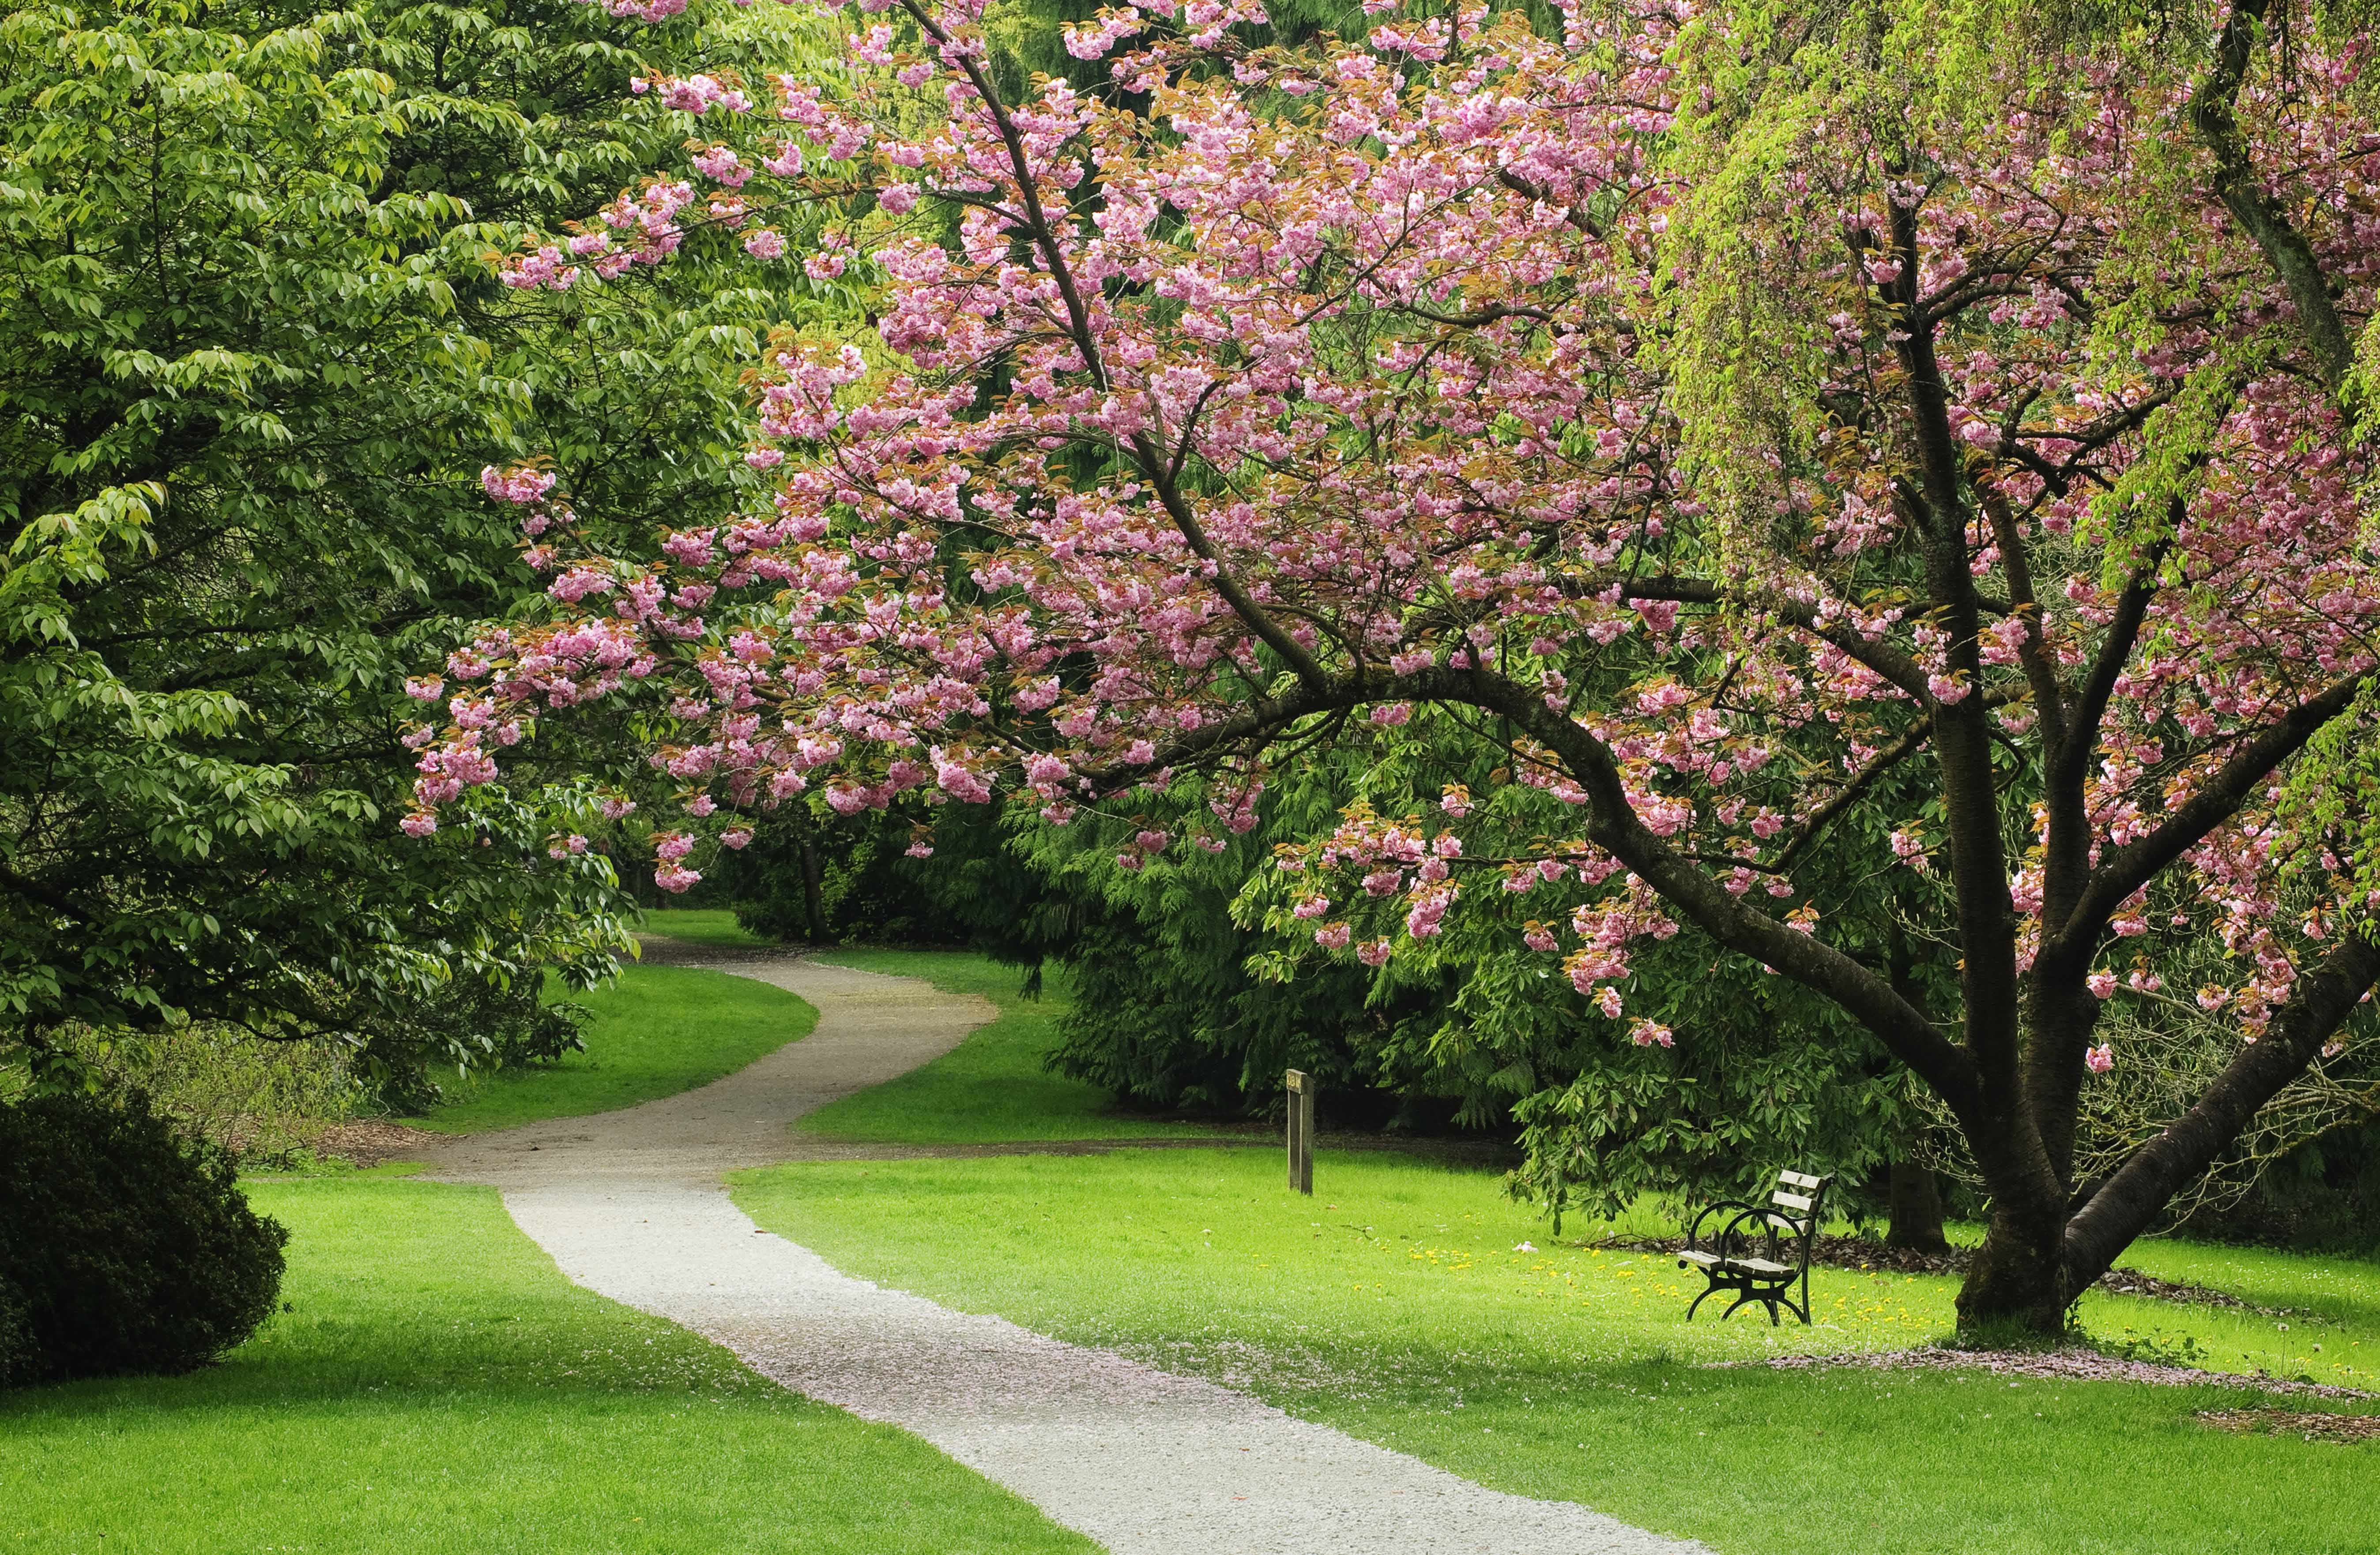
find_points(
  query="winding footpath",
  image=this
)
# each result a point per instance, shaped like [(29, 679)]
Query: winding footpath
[(630, 1205)]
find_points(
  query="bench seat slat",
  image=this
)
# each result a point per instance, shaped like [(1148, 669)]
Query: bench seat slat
[(1790, 1200), (1759, 1266), (1790, 1227), (1799, 1179)]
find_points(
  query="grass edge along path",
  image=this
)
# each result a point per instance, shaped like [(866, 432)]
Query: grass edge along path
[(992, 1087), (658, 1030), (1410, 1305), (436, 1386)]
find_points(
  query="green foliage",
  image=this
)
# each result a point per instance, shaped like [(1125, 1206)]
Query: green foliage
[(122, 1248), (811, 876), (265, 1102), (254, 356)]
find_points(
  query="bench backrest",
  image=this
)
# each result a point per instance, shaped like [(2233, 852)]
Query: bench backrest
[(1797, 1204)]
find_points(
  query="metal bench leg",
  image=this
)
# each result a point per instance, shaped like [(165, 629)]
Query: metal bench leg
[(1709, 1292)]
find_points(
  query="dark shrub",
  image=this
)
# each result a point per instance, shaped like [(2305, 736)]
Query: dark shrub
[(16, 1337), (123, 1248)]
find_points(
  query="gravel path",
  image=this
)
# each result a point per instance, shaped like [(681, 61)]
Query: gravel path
[(630, 1205)]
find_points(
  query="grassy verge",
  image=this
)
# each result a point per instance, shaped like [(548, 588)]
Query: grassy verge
[(703, 926), (658, 1031), (438, 1386), (1400, 1304), (992, 1086)]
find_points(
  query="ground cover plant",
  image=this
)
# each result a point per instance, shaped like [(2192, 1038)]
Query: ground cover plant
[(994, 1086), (654, 1032), (1416, 1306), (436, 1385)]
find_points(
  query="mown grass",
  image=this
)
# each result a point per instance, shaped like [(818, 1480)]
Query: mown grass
[(657, 1031), (703, 926), (1395, 1305), (436, 1387), (993, 1086)]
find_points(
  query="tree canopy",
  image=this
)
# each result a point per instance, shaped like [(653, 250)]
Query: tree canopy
[(256, 354), (1814, 446)]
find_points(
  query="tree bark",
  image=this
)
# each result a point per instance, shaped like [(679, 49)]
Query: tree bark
[(2018, 1280), (813, 899), (1915, 1198)]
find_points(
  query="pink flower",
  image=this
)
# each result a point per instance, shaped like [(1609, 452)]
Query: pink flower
[(2102, 984), (1333, 936), (418, 824), (1646, 1033), (2099, 1060), (1373, 952)]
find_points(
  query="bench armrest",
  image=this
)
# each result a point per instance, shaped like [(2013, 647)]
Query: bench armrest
[(1693, 1228)]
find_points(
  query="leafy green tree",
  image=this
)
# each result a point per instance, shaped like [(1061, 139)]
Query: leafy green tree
[(254, 356)]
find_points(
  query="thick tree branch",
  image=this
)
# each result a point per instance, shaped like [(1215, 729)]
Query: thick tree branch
[(1612, 824), (2259, 214), (2135, 865), (2141, 1188)]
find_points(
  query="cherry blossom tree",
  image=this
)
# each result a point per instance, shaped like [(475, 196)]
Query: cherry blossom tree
[(1922, 442)]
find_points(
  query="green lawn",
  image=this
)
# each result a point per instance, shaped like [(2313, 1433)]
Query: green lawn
[(992, 1086), (1395, 1305), (703, 926), (657, 1031), (438, 1386)]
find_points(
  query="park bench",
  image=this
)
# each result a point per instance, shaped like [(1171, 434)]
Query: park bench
[(1760, 1250)]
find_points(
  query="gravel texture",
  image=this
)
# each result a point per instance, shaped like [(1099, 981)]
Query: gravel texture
[(630, 1205)]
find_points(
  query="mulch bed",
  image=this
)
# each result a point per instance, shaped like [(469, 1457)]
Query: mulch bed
[(2066, 1365), (1859, 1252), (371, 1142), (2313, 1425)]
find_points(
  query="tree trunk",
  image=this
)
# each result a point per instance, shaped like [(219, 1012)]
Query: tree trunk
[(2018, 1280), (1915, 1196), (813, 900)]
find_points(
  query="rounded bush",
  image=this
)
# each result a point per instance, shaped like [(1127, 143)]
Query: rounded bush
[(123, 1248)]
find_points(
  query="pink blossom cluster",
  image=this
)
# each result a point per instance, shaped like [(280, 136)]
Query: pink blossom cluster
[(1380, 353)]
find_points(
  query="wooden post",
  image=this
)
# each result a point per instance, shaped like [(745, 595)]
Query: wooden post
[(1301, 1131)]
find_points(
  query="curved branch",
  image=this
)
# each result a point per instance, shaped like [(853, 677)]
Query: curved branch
[(2263, 217), (2142, 1185), (2135, 865)]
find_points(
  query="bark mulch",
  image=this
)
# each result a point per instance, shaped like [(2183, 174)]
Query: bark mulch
[(2313, 1425), (372, 1142), (2063, 1365)]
